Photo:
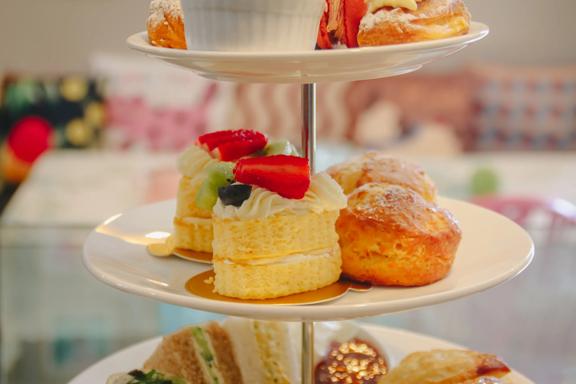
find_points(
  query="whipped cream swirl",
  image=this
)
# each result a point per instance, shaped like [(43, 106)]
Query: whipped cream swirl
[(324, 195), (194, 161)]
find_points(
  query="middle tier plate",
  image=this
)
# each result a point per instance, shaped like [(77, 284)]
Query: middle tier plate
[(493, 250)]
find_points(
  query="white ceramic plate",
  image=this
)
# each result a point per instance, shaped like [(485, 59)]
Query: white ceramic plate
[(311, 66), (493, 250), (397, 345)]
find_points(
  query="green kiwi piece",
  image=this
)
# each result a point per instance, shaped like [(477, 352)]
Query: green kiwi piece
[(217, 176), (281, 148)]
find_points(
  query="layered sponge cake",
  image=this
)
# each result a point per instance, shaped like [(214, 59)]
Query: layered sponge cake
[(192, 224), (280, 239), (206, 166)]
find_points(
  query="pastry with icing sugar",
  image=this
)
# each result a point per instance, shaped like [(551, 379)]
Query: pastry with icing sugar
[(392, 232), (362, 23), (165, 24)]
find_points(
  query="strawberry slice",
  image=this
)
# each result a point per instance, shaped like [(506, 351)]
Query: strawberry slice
[(323, 39), (212, 140), (232, 145), (233, 150), (354, 11), (288, 176)]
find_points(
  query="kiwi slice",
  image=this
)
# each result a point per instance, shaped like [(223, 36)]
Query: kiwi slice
[(217, 176), (280, 148)]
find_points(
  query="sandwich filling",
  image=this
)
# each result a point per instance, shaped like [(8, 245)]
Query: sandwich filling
[(263, 350), (206, 355)]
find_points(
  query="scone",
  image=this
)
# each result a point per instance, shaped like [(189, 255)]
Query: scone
[(206, 166), (447, 367), (165, 24), (390, 235), (374, 167), (274, 230)]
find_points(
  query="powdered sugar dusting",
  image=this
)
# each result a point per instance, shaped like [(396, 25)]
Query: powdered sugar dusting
[(160, 8), (396, 15)]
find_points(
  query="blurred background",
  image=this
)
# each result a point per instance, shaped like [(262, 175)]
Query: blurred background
[(89, 129)]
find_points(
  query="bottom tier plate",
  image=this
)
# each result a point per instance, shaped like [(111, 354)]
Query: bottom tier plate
[(398, 343)]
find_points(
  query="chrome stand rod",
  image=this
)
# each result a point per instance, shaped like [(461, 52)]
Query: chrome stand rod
[(309, 124), (307, 352), (309, 149)]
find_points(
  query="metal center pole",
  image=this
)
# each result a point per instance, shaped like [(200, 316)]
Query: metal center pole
[(309, 149), (307, 352), (309, 123)]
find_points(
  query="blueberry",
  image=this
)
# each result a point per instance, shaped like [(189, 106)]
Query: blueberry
[(234, 194)]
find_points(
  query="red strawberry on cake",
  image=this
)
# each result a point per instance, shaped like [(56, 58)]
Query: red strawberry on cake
[(207, 174)]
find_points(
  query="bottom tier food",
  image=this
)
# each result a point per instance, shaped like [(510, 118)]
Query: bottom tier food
[(240, 351)]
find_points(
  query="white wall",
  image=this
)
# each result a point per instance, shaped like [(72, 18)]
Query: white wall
[(59, 35)]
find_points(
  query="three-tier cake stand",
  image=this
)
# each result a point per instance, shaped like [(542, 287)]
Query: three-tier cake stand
[(492, 251)]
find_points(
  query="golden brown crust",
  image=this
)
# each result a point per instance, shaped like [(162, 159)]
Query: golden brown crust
[(175, 356), (434, 19), (227, 364), (447, 367), (165, 24), (390, 235), (374, 167)]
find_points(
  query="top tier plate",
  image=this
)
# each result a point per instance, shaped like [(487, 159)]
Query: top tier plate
[(311, 66)]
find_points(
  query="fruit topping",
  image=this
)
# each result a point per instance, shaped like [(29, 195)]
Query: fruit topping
[(217, 176), (232, 145), (288, 176), (354, 11), (235, 194), (280, 148), (323, 39)]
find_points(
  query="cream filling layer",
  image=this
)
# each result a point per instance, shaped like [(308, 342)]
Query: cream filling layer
[(370, 20), (289, 259)]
